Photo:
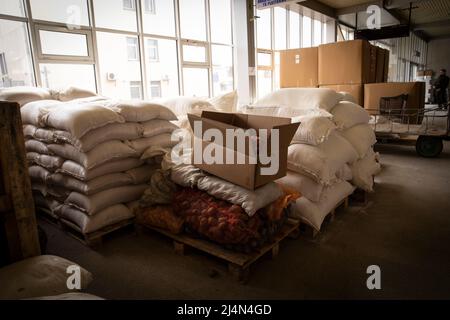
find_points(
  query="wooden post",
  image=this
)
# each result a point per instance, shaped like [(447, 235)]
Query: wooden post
[(17, 201)]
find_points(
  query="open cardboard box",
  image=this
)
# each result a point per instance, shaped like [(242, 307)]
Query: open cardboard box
[(252, 173)]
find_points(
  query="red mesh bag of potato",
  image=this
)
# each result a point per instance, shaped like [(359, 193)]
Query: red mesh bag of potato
[(161, 217)]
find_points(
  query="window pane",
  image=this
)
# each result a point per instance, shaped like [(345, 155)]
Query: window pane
[(115, 14), (159, 17), (196, 82), (12, 8), (306, 32), (194, 53), (163, 71), (15, 54), (119, 70), (276, 71), (72, 12), (317, 32), (264, 82), (193, 19), (63, 43), (280, 28), (56, 75), (264, 35), (220, 11), (222, 60), (294, 30), (264, 59)]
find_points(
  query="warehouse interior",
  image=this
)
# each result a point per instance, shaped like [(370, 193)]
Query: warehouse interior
[(119, 179)]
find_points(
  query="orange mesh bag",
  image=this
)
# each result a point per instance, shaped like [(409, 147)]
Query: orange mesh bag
[(160, 217)]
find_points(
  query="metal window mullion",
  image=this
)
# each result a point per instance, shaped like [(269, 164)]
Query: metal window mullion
[(33, 42), (209, 49), (300, 21), (179, 47), (288, 28), (232, 44), (13, 18), (142, 55), (91, 13), (272, 44)]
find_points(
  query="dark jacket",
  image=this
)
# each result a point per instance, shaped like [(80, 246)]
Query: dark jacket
[(442, 82)]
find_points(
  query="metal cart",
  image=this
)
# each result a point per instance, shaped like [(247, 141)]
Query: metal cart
[(429, 126)]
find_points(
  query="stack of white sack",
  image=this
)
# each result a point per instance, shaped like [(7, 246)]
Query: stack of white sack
[(85, 156), (331, 153)]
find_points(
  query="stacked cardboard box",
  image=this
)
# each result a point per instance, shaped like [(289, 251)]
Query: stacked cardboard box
[(342, 66), (299, 68)]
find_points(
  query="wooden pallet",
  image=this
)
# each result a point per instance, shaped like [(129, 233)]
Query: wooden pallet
[(94, 239), (238, 263)]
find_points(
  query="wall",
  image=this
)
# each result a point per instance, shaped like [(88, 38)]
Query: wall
[(439, 55)]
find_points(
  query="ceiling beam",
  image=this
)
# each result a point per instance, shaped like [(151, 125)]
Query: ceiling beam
[(319, 7), (434, 24)]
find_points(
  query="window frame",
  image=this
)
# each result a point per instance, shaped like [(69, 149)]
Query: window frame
[(90, 30), (135, 46), (48, 58)]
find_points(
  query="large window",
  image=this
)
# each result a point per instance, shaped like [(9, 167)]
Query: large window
[(162, 67), (112, 14), (122, 48), (158, 17), (16, 63), (193, 19), (71, 12), (221, 29), (119, 72), (280, 28)]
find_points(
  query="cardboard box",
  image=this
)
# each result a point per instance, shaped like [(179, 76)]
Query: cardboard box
[(380, 65), (415, 91), (246, 175), (299, 68), (373, 64), (356, 90), (386, 65), (346, 62)]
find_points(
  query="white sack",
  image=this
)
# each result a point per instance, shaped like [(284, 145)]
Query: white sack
[(348, 114), (72, 93), (88, 224), (38, 174), (186, 175), (181, 106), (37, 146), (156, 127), (141, 111), (302, 98), (79, 119), (108, 181), (362, 138), (345, 173), (141, 174), (364, 170), (313, 213), (321, 162), (78, 171), (37, 277), (33, 112), (250, 200), (308, 188), (24, 95), (313, 130), (346, 96), (104, 152), (51, 163), (99, 201), (163, 140), (226, 102)]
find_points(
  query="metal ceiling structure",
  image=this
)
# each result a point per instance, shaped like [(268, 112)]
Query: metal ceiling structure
[(429, 19)]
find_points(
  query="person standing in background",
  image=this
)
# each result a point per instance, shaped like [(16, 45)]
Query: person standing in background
[(441, 86)]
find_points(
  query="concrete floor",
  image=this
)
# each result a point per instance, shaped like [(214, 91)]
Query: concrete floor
[(404, 229)]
